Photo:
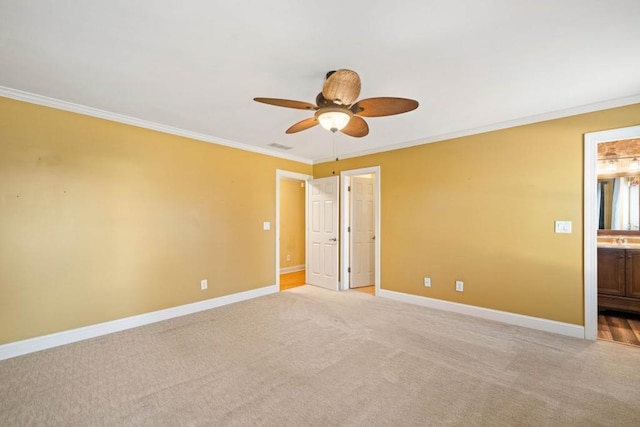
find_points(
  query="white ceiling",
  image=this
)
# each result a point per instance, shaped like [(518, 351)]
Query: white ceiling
[(197, 65)]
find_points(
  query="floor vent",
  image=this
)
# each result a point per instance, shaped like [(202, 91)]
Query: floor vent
[(280, 146)]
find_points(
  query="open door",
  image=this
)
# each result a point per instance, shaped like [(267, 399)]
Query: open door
[(346, 259), (322, 251), (362, 235)]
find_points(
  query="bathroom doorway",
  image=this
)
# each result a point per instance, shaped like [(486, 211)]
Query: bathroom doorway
[(610, 236)]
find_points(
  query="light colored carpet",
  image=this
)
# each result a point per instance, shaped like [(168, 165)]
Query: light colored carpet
[(314, 357)]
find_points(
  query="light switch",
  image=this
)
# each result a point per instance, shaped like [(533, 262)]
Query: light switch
[(563, 226), (266, 225)]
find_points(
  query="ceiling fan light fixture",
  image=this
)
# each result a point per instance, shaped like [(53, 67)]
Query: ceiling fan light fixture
[(334, 119)]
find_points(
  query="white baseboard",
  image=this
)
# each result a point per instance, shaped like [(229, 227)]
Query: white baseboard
[(292, 269), (44, 342), (537, 323)]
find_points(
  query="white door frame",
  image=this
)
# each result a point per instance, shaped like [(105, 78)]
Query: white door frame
[(292, 175), (344, 220), (591, 141)]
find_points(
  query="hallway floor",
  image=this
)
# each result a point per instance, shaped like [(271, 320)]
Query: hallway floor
[(297, 278), (292, 280)]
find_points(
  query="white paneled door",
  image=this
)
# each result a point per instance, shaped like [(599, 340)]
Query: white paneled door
[(362, 233), (322, 253)]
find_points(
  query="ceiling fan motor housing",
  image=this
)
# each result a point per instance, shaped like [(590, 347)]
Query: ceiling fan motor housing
[(342, 87)]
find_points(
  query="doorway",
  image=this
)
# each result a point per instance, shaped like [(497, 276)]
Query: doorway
[(591, 219), (345, 177), (291, 220), (360, 229)]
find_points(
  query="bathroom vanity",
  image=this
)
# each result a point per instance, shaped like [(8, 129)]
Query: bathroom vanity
[(619, 277)]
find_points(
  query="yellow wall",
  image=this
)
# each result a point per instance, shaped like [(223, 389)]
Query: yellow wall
[(482, 208), (100, 220), (292, 223)]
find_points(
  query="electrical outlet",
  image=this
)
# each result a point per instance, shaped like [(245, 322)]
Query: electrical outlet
[(288, 257), (459, 286), (203, 284), (427, 282)]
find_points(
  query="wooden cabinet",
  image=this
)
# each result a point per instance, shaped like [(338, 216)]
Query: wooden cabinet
[(633, 273), (619, 279), (611, 271)]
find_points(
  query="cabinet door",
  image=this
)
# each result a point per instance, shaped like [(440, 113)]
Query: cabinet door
[(611, 271), (633, 273)]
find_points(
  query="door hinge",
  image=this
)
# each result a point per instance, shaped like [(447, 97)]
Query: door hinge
[(349, 188), (349, 270), (348, 229)]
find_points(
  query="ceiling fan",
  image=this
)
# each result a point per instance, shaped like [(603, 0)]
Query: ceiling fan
[(335, 109)]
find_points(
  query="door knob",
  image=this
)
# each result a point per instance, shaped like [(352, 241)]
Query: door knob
[(334, 239)]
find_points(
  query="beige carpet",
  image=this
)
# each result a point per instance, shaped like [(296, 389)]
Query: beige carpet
[(314, 357)]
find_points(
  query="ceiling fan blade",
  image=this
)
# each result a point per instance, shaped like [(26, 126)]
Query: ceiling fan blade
[(300, 105), (303, 125), (383, 106), (342, 87), (357, 127)]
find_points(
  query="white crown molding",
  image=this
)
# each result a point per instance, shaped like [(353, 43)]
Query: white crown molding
[(582, 109), (568, 329), (114, 117), (102, 114), (44, 342)]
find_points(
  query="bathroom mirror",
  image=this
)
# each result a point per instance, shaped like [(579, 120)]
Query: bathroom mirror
[(618, 203)]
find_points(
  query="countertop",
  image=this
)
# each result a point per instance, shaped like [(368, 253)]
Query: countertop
[(617, 246)]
